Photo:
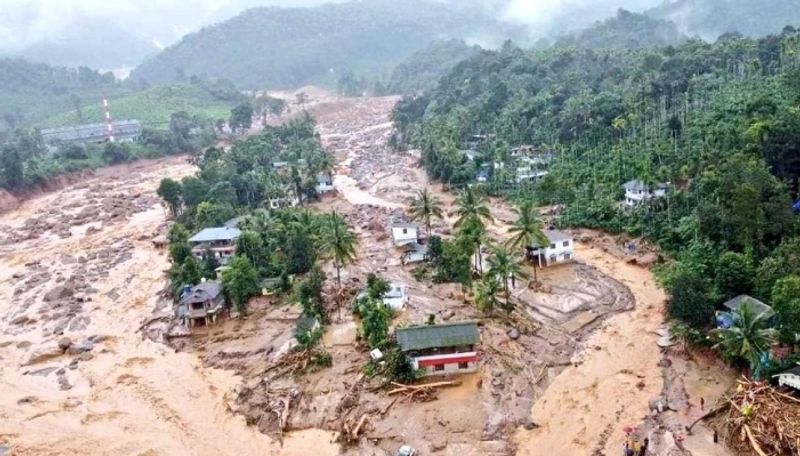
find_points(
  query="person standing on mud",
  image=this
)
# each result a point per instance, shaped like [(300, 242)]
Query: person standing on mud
[(643, 449)]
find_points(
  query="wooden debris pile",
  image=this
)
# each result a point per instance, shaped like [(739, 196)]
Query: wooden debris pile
[(759, 419)]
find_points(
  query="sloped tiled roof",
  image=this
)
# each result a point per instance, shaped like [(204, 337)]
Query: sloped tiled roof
[(203, 292), (438, 336)]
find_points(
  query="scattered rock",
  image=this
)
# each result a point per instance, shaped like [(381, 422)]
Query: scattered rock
[(64, 343), (513, 333), (43, 354), (528, 424), (82, 347), (22, 320), (60, 292)]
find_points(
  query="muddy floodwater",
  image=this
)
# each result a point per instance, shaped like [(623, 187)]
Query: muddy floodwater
[(81, 282), (78, 275)]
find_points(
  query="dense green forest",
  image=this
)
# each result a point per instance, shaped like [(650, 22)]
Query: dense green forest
[(720, 123), (291, 47), (626, 30)]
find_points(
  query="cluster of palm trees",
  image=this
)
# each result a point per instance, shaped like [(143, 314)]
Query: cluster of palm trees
[(504, 267)]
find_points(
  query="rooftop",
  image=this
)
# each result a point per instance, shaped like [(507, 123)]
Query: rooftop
[(222, 233), (438, 336), (555, 236), (737, 302), (636, 185), (202, 292), (794, 371)]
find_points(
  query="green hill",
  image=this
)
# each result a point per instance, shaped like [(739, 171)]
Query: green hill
[(291, 47), (422, 70), (153, 106), (626, 30)]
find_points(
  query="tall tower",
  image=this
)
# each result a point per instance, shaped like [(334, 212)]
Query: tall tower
[(109, 124)]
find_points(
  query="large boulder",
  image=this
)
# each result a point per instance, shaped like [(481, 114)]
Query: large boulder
[(43, 354), (60, 292)]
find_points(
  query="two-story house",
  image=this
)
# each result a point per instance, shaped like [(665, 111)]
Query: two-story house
[(637, 191), (561, 249), (202, 303), (220, 241)]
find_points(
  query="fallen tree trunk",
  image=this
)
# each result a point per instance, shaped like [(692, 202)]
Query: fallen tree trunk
[(401, 388)]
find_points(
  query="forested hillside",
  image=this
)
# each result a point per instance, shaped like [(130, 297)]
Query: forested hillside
[(291, 47), (422, 70), (712, 18), (626, 30), (40, 95), (31, 91), (720, 123)]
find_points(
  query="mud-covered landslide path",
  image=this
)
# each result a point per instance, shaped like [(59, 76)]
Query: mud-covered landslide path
[(78, 274), (585, 409)]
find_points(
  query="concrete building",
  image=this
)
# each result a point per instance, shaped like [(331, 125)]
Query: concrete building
[(560, 250), (405, 233), (637, 192), (202, 303), (790, 378), (441, 349), (221, 241), (324, 183)]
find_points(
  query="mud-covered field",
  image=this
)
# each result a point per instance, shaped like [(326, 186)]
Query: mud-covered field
[(90, 364)]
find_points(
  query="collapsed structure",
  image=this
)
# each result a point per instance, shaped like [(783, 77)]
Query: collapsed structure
[(201, 303)]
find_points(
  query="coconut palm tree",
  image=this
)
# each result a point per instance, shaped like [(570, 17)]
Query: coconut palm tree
[(338, 243), (472, 206), (505, 267), (424, 207), (486, 292), (527, 229), (473, 211), (749, 336)]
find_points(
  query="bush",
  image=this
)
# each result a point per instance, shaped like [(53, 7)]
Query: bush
[(114, 153), (689, 301)]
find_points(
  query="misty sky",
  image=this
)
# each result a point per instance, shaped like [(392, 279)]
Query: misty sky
[(27, 22)]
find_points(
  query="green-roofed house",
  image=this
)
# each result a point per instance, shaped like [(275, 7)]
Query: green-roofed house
[(441, 349)]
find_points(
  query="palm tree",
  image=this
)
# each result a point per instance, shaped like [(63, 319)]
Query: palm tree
[(472, 206), (339, 243), (505, 267), (749, 336), (473, 210), (486, 292), (527, 229), (424, 207)]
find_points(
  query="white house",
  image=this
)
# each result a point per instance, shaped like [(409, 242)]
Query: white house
[(279, 203), (396, 298), (637, 191), (560, 250), (405, 233), (790, 378), (527, 174), (324, 183)]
